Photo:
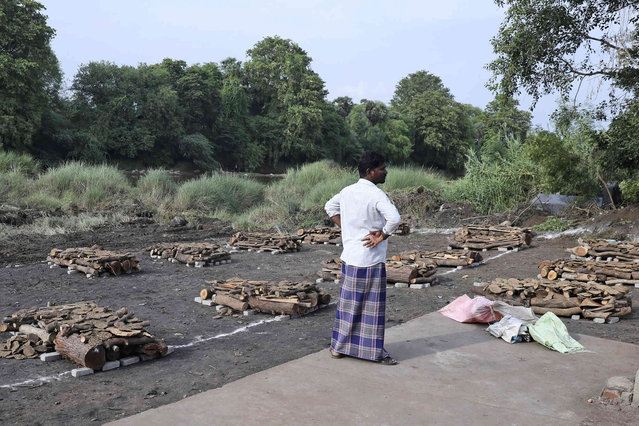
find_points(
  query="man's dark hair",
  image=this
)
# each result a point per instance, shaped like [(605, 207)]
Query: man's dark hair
[(369, 160)]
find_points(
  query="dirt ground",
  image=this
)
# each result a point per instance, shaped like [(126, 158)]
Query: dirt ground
[(209, 352)]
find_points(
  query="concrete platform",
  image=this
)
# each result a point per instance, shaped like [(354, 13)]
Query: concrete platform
[(449, 373)]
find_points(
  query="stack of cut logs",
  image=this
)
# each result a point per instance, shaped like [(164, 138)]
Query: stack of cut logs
[(323, 235), (403, 229), (441, 258), (94, 261), (83, 333), (418, 271), (262, 241), (610, 273), (190, 253), (479, 237), (284, 297), (604, 249), (564, 298)]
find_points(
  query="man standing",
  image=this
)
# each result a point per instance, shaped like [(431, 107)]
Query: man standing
[(367, 218)]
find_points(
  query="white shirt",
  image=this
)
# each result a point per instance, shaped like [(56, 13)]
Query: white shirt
[(363, 207)]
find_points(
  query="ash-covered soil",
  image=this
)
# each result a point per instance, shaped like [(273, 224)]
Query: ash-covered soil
[(209, 352)]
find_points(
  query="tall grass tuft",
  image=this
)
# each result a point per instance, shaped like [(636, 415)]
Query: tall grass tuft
[(22, 163), (219, 192), (498, 185), (85, 186), (412, 177), (156, 190)]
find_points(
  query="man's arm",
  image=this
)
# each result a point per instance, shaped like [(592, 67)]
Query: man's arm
[(332, 209), (393, 219)]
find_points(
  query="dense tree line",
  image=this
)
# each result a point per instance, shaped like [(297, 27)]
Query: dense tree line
[(272, 110)]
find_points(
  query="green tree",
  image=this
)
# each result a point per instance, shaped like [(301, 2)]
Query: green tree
[(344, 105), (545, 46), (443, 130), (618, 147), (288, 96), (502, 119), (29, 71)]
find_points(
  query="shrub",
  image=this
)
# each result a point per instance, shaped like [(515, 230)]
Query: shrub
[(412, 177), (219, 192), (552, 224), (496, 186), (630, 190), (156, 189)]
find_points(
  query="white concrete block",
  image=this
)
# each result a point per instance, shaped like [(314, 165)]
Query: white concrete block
[(216, 263), (72, 271), (426, 285), (325, 242), (249, 250), (228, 261), (49, 263), (636, 285), (198, 299), (170, 350), (599, 320), (609, 259), (598, 258), (249, 312), (336, 281), (417, 286), (338, 244), (208, 302), (90, 275), (282, 317), (612, 320), (481, 249), (200, 264), (459, 267), (188, 265), (260, 251), (319, 281), (51, 356), (219, 307), (502, 248), (54, 266), (79, 372), (110, 365), (516, 249), (575, 317), (449, 248), (401, 285), (538, 276), (129, 360), (144, 358)]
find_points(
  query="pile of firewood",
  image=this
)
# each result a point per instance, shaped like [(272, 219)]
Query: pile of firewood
[(480, 237), (262, 241), (441, 258), (24, 346), (94, 261), (564, 298), (604, 249), (193, 254), (610, 273), (323, 235), (397, 271), (403, 229), (81, 332), (284, 297)]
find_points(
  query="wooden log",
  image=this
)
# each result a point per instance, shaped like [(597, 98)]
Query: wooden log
[(265, 305), (205, 294), (588, 313), (114, 267), (70, 347), (423, 280), (402, 274), (562, 312), (621, 281), (552, 275), (42, 334), (231, 302), (580, 251), (572, 302), (325, 299)]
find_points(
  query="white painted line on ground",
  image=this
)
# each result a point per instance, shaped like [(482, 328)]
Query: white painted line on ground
[(43, 379), (434, 230), (480, 263), (200, 339)]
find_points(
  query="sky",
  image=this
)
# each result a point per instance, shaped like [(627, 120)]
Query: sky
[(360, 49)]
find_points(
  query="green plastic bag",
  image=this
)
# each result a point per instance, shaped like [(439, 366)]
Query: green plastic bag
[(553, 334)]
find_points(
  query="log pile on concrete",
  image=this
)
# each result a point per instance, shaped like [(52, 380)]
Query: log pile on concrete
[(563, 298), (282, 297), (84, 333), (480, 237), (192, 254), (609, 273), (321, 235), (265, 241), (397, 271), (94, 261), (24, 346), (607, 250), (453, 257)]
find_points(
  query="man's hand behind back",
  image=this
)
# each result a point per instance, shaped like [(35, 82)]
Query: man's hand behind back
[(373, 238)]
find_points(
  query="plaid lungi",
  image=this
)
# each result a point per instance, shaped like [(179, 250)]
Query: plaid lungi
[(360, 318)]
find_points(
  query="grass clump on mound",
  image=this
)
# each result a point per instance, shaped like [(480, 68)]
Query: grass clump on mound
[(21, 163), (85, 186), (407, 177), (231, 194), (156, 190)]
